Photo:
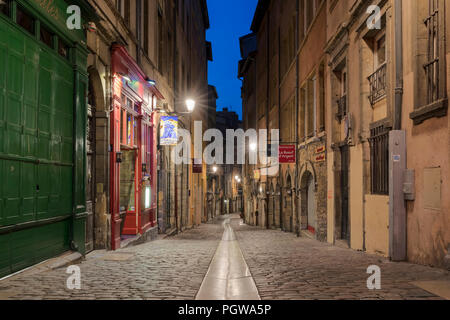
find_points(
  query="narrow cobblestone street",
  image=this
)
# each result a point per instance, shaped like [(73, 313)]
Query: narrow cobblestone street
[(282, 265)]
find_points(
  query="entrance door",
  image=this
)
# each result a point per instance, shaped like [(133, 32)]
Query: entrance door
[(311, 206), (345, 164), (90, 185)]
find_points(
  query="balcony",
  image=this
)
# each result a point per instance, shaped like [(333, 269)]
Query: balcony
[(377, 84)]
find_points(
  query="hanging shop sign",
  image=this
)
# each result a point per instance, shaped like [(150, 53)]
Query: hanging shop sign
[(257, 174), (287, 154), (169, 131)]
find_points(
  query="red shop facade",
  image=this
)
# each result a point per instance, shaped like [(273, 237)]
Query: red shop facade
[(133, 149)]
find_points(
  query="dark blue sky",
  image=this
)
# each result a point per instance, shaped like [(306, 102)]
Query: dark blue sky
[(230, 19)]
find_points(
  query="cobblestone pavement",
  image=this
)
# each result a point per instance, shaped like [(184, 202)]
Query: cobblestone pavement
[(282, 265), (172, 268), (291, 268)]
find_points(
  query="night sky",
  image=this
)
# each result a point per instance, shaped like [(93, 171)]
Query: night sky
[(230, 20)]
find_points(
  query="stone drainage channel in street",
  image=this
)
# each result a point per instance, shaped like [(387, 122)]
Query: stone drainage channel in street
[(228, 276)]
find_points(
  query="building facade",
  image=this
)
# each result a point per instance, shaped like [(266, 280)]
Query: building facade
[(147, 58), (80, 134), (363, 96)]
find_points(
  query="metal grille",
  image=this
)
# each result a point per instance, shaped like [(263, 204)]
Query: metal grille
[(377, 84), (432, 65), (379, 160), (342, 108)]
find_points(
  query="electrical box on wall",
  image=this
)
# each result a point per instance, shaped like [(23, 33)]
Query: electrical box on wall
[(409, 188)]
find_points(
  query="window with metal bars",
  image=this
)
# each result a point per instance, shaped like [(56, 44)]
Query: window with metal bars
[(433, 47), (379, 160)]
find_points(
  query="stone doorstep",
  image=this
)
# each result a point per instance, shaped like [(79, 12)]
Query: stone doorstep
[(150, 235), (66, 259), (307, 234)]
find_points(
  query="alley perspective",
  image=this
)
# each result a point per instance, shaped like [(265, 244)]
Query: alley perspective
[(224, 150)]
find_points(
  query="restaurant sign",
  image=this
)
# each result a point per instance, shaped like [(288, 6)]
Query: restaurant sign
[(287, 154)]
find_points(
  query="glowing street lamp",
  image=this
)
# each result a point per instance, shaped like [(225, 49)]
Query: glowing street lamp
[(214, 169), (253, 147), (190, 105)]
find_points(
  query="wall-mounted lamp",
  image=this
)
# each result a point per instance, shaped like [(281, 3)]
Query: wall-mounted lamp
[(214, 169), (124, 76), (151, 82), (119, 157), (190, 105)]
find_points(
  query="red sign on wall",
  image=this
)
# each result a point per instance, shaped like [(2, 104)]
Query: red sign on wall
[(286, 154)]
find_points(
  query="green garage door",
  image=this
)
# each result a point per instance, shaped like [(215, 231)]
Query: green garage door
[(36, 150)]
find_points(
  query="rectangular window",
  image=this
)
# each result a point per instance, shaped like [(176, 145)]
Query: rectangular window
[(46, 36), (301, 122), (433, 60), (129, 129), (5, 7), (377, 80), (146, 27), (160, 42), (63, 49), (311, 107), (322, 99), (379, 160), (25, 20), (147, 197), (122, 121), (342, 101)]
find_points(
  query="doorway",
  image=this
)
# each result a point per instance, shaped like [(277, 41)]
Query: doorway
[(345, 221), (311, 195)]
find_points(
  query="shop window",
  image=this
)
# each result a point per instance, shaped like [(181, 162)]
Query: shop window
[(128, 122), (129, 128), (63, 49), (25, 20), (5, 7), (46, 36), (148, 197)]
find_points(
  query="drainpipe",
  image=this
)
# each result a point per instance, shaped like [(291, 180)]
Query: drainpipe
[(397, 152), (398, 65), (174, 74), (297, 104)]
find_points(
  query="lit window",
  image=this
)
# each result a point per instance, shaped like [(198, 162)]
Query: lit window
[(147, 197)]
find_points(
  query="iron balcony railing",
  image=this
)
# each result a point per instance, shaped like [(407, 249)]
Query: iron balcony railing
[(378, 84)]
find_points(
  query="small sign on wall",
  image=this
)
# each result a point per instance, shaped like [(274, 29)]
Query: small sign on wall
[(320, 158), (287, 154)]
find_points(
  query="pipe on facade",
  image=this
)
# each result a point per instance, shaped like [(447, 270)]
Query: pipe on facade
[(398, 65), (297, 105)]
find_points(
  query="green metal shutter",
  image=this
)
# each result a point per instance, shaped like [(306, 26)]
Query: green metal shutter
[(36, 149)]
